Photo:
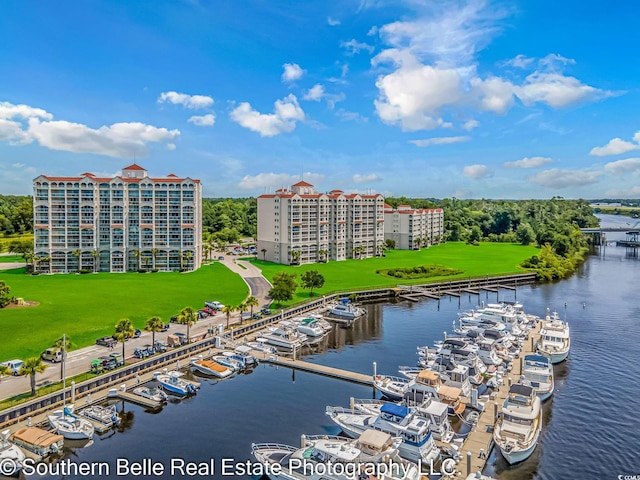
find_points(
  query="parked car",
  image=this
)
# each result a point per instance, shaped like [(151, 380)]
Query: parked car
[(118, 358), (256, 316), (14, 366), (265, 311), (165, 327), (174, 319), (96, 366), (221, 258), (106, 341), (52, 355), (144, 352), (136, 334), (160, 346), (203, 314), (214, 305)]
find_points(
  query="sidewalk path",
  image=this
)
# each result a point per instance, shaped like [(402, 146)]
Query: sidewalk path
[(258, 285)]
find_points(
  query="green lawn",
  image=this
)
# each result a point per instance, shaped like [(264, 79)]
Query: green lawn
[(474, 261), (86, 307), (11, 259)]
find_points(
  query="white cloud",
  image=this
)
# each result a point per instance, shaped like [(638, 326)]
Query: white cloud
[(333, 22), (439, 141), (620, 167), (552, 60), (286, 113), (519, 61), (171, 146), (616, 146), (13, 133), (315, 93), (528, 162), (372, 177), (203, 120), (121, 140), (494, 93), (9, 110), (475, 171), (188, 101), (470, 125), (347, 116), (558, 178), (17, 165), (633, 192), (292, 72), (277, 180), (354, 47), (556, 90)]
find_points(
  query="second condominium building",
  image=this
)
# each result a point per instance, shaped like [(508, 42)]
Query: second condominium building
[(118, 224), (320, 226), (412, 228)]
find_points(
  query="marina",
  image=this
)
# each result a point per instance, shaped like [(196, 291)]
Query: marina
[(388, 335)]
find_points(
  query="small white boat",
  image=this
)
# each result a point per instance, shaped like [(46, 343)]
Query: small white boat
[(107, 415), (243, 354), (555, 339), (311, 327), (69, 425), (537, 372), (345, 309), (227, 361), (517, 429), (391, 387), (284, 337), (152, 393), (174, 384), (37, 440), (211, 367), (314, 459), (260, 345), (11, 457)]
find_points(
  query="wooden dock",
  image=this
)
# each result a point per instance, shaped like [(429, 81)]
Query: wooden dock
[(320, 369), (478, 444), (133, 398)]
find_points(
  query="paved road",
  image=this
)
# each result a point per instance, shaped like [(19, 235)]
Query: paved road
[(78, 361)]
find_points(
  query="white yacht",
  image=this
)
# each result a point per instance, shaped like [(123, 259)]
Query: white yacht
[(311, 327), (152, 393), (537, 372), (69, 425), (391, 387), (517, 429), (345, 309), (285, 337), (555, 340), (208, 367), (488, 352), (11, 457), (374, 454), (427, 384), (396, 420)]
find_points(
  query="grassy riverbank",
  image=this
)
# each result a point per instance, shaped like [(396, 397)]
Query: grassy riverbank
[(473, 261), (86, 307)]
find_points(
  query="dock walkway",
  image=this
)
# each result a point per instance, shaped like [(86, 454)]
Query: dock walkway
[(320, 369), (481, 437)]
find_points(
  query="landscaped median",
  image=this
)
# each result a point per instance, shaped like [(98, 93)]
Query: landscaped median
[(86, 307), (486, 259)]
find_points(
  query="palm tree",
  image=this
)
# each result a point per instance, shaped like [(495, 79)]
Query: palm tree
[(228, 310), (186, 256), (206, 250), (31, 367), (64, 344), (136, 254), (324, 254), (264, 254), (124, 330), (188, 316), (295, 256), (416, 243), (153, 325), (251, 302), (242, 308), (95, 254), (78, 255), (154, 255), (4, 371), (380, 249)]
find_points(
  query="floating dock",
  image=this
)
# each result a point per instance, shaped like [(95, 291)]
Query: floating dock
[(133, 398), (320, 369)]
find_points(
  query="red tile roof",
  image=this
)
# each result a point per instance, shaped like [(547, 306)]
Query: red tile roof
[(302, 183), (134, 167)]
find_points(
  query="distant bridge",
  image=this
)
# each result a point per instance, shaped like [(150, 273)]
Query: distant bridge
[(610, 229)]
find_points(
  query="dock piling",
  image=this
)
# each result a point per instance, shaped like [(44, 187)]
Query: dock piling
[(468, 463)]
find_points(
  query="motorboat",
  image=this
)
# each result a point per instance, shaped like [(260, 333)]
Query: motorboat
[(284, 337), (226, 361), (517, 429), (488, 352), (106, 415), (244, 355), (38, 441), (152, 393), (428, 383), (396, 420), (555, 340), (260, 345), (373, 454), (391, 387), (211, 367), (345, 309), (70, 425), (311, 327), (537, 372), (172, 383), (454, 375), (11, 457)]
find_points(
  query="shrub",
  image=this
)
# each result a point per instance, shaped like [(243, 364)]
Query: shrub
[(155, 270), (142, 270), (85, 271)]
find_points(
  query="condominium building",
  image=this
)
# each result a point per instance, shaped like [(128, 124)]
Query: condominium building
[(125, 223), (412, 228), (320, 226)]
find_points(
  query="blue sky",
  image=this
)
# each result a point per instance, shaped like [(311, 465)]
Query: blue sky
[(508, 99)]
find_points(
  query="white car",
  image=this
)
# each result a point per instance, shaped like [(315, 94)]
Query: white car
[(14, 366), (214, 305)]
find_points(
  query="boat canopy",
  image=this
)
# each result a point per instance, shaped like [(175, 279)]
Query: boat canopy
[(449, 392), (243, 349), (397, 410), (428, 377), (374, 439), (536, 359), (36, 436)]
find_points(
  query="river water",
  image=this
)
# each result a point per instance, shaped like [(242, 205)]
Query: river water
[(591, 427)]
